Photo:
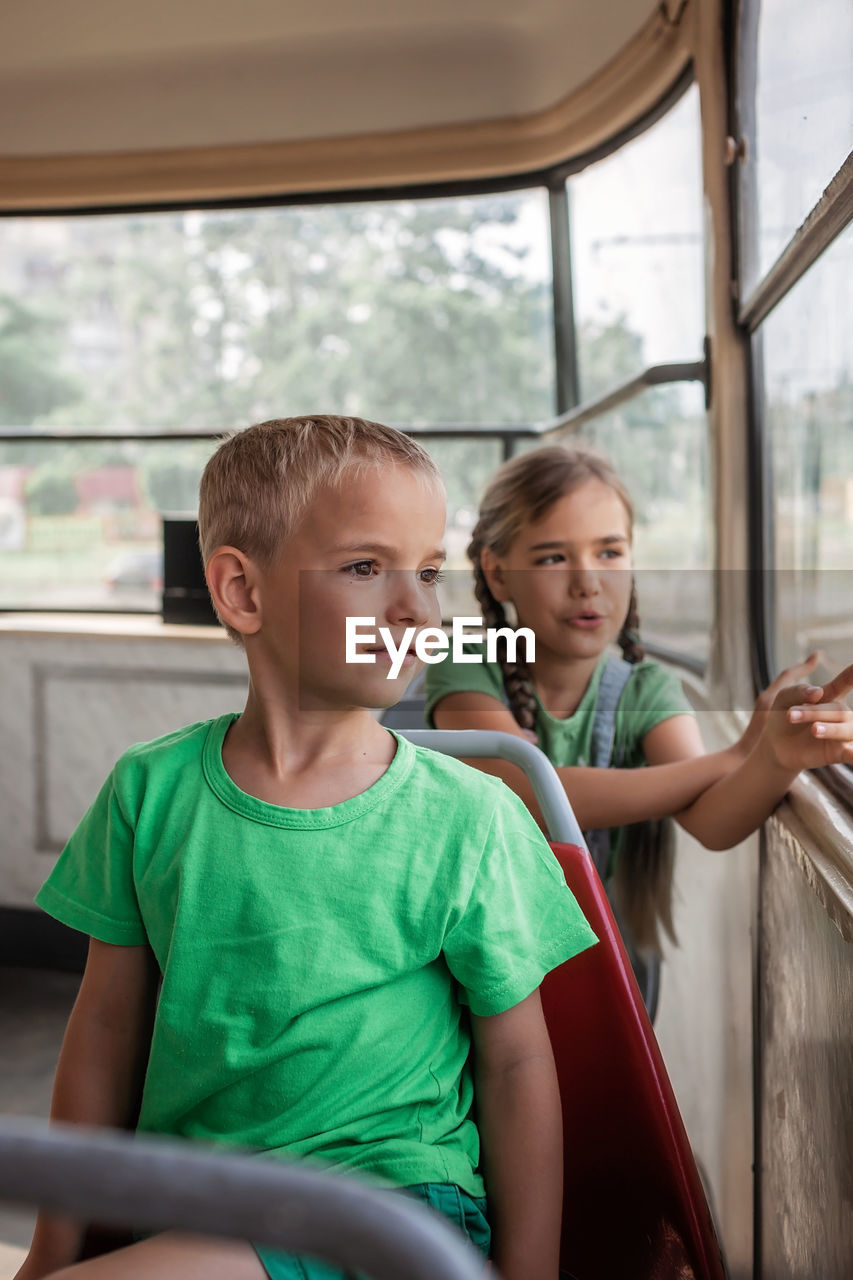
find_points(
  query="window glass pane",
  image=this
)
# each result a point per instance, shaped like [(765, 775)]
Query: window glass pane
[(636, 220), (804, 112), (658, 445), (808, 411), (466, 467), (80, 524), (406, 311)]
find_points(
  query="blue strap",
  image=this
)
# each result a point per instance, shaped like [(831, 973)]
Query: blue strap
[(614, 677)]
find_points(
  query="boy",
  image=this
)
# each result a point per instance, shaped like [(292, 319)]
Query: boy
[(320, 898)]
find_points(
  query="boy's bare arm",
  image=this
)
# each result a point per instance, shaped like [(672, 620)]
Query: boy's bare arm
[(520, 1121), (100, 1072)]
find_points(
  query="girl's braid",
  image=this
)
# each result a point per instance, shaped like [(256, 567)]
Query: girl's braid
[(629, 637), (516, 676)]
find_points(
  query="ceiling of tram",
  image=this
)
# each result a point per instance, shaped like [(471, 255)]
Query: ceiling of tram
[(95, 76)]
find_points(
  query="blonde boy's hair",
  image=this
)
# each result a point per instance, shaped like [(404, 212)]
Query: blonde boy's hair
[(260, 482)]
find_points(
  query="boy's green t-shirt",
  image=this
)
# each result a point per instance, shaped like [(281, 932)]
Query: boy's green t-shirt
[(652, 695), (316, 963)]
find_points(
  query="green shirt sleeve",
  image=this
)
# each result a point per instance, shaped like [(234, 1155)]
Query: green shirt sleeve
[(652, 695), (446, 677), (520, 920), (91, 887)]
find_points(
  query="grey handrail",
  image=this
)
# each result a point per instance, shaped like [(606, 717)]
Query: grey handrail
[(159, 1183), (488, 744), (655, 375)]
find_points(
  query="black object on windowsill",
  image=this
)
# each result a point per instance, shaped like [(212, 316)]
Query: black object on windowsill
[(185, 596)]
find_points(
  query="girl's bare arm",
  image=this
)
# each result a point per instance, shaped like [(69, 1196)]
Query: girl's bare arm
[(599, 797), (100, 1072), (805, 726), (719, 797), (520, 1122)]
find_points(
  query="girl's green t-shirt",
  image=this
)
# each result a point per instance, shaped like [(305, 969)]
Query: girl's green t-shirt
[(317, 963), (651, 695)]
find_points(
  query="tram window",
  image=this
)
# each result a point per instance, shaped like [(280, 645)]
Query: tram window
[(803, 106), (412, 311), (409, 311), (637, 256), (807, 351), (80, 522)]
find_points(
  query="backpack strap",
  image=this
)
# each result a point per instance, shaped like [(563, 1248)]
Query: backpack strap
[(614, 678)]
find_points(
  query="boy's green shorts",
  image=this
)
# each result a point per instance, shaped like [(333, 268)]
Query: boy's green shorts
[(466, 1213)]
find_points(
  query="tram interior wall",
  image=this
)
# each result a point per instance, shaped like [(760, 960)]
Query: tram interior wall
[(704, 1023), (76, 695)]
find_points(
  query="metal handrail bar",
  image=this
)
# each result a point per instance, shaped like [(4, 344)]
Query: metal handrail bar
[(488, 744), (654, 376), (20, 435), (156, 1183)]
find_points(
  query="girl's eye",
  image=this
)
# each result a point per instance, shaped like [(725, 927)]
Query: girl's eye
[(555, 557), (362, 569), (431, 577), (612, 553)]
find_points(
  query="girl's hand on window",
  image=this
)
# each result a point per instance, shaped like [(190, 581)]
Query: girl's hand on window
[(764, 702), (811, 725)]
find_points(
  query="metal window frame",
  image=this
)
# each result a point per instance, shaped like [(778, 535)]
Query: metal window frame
[(826, 221)]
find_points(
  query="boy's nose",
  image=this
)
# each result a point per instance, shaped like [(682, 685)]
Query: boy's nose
[(410, 601)]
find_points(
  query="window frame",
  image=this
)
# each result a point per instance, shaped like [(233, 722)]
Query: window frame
[(827, 219)]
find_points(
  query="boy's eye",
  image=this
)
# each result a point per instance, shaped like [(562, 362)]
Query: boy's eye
[(612, 553), (362, 569), (431, 576)]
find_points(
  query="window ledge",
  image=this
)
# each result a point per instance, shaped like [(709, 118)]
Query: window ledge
[(125, 625), (817, 830)]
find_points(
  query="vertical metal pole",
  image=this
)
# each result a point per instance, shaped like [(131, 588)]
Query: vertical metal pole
[(565, 337)]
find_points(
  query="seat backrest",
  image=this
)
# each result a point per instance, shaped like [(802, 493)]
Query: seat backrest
[(634, 1205)]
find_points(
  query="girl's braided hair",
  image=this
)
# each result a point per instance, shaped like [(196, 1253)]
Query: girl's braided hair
[(520, 493)]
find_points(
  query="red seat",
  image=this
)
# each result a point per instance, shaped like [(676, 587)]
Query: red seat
[(634, 1205)]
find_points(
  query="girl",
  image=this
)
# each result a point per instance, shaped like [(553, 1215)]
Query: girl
[(554, 541)]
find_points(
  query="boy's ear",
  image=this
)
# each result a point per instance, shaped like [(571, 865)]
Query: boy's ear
[(494, 575), (231, 578)]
